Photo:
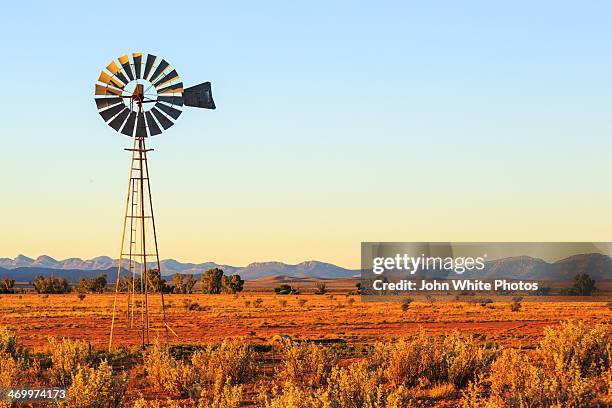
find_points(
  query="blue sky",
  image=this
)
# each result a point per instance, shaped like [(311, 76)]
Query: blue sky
[(337, 122)]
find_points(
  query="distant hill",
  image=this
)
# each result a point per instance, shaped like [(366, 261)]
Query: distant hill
[(597, 266), (29, 274), (45, 265)]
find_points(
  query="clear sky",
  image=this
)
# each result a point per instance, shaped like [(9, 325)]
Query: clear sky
[(336, 123)]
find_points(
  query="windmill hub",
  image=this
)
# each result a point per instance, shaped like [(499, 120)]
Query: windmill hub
[(138, 95)]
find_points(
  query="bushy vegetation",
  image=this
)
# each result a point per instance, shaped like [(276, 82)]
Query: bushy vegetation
[(8, 341), (7, 285), (51, 285), (583, 286), (284, 289), (450, 358), (321, 288), (306, 363), (92, 285), (67, 357), (570, 367), (406, 304), (155, 283), (167, 374), (96, 387), (232, 360), (183, 284), (215, 282)]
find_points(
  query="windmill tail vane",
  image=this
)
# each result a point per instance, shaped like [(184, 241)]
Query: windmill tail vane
[(141, 95)]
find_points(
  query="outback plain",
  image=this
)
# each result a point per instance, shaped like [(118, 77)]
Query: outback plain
[(259, 348)]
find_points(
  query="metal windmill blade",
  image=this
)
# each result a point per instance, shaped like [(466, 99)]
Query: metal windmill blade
[(141, 95)]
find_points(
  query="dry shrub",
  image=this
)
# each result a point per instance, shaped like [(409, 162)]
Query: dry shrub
[(9, 374), (8, 370), (66, 356), (516, 382), (450, 357), (306, 364), (221, 395), (96, 388), (291, 396), (233, 360), (515, 306), (165, 373), (474, 396), (356, 386), (143, 403), (8, 341), (462, 359), (573, 362), (575, 346), (359, 385), (405, 361)]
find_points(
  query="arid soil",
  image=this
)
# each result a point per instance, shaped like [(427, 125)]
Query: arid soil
[(199, 318)]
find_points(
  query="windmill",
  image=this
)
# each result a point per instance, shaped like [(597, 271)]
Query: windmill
[(141, 95)]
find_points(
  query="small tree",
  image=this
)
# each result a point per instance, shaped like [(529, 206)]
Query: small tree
[(236, 283), (211, 281), (584, 285), (126, 283), (232, 284), (92, 285), (51, 285), (6, 285), (321, 288), (179, 286), (189, 283), (155, 282)]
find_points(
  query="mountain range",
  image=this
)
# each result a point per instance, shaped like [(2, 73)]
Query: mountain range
[(22, 266), (597, 266)]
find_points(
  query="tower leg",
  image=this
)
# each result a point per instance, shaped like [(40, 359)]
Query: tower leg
[(139, 209), (127, 206)]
